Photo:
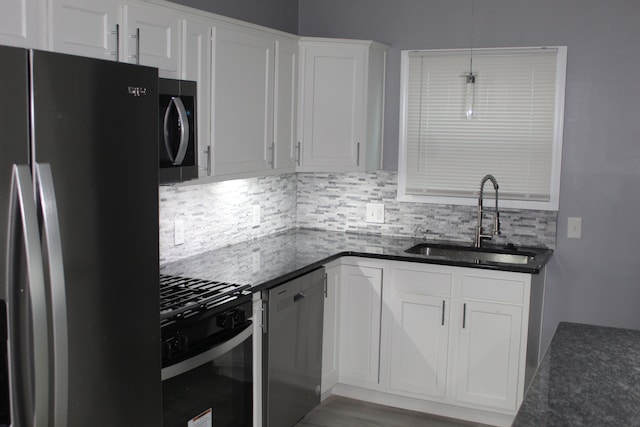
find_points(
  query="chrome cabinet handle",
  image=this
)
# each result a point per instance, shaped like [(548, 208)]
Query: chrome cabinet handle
[(116, 33), (443, 302), (137, 37), (464, 316), (52, 257), (326, 285), (184, 131), (299, 153), (273, 155), (358, 154), (23, 220), (208, 160)]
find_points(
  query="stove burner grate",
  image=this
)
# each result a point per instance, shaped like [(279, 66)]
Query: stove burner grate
[(182, 296)]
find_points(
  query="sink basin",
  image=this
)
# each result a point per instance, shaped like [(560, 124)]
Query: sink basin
[(473, 255)]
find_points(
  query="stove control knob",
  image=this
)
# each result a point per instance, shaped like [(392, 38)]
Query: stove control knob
[(231, 319), (182, 343)]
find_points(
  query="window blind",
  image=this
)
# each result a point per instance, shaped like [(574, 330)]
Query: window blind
[(511, 133)]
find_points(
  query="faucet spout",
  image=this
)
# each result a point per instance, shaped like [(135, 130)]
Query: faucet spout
[(479, 235)]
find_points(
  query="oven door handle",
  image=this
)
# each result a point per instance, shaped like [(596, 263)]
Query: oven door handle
[(207, 356)]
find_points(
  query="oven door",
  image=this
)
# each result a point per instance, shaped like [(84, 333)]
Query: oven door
[(213, 388)]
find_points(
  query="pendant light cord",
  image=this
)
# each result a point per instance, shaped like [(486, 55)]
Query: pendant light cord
[(471, 39)]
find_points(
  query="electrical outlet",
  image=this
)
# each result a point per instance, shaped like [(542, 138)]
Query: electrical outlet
[(255, 221), (574, 227), (375, 213), (178, 232)]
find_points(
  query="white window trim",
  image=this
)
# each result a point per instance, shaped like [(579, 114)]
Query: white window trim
[(551, 205)]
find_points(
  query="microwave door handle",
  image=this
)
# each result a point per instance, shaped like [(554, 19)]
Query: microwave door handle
[(184, 131), (52, 256), (167, 142), (206, 356), (23, 211)]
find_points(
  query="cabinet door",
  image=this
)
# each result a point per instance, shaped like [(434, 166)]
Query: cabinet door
[(333, 106), (285, 111), (489, 354), (330, 327), (151, 37), (360, 311), (242, 101), (85, 27), (196, 66), (20, 23), (419, 344)]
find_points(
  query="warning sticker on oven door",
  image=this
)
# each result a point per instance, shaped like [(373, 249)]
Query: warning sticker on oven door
[(205, 419)]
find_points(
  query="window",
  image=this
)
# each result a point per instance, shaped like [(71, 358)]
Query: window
[(514, 133)]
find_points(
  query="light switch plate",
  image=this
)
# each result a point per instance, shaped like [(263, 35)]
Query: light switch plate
[(574, 228), (375, 213)]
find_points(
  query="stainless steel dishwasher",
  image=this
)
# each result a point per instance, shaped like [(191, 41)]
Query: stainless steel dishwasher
[(292, 349)]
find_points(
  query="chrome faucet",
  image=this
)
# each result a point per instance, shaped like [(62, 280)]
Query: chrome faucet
[(496, 217)]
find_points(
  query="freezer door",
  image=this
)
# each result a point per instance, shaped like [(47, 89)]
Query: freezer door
[(96, 127), (14, 149)]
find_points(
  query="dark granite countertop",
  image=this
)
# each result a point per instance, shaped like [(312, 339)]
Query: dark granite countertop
[(275, 259), (589, 376)]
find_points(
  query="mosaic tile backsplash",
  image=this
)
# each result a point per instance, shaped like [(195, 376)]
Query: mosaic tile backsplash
[(220, 214)]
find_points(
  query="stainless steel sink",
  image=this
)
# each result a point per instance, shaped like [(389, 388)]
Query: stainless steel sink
[(471, 254)]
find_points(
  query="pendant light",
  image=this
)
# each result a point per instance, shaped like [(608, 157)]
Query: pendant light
[(470, 78)]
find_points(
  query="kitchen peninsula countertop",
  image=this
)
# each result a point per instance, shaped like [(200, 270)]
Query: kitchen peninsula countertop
[(589, 376), (277, 258)]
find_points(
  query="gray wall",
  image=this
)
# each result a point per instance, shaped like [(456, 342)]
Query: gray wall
[(279, 14), (595, 279)]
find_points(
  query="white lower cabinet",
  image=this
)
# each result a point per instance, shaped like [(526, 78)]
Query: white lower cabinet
[(442, 339), (330, 323), (489, 354), (359, 332), (419, 304)]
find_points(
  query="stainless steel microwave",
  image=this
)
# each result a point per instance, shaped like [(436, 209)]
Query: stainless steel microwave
[(178, 147)]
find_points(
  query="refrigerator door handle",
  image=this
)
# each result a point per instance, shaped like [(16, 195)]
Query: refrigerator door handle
[(184, 131), (53, 261), (23, 220)]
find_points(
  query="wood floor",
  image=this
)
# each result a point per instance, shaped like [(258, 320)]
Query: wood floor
[(338, 411)]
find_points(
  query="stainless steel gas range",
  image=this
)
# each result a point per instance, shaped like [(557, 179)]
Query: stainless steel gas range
[(206, 330)]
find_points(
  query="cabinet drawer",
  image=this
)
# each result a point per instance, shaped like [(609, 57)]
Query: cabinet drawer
[(423, 282), (493, 289)]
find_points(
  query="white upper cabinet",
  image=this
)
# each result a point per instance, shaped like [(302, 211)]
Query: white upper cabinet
[(285, 102), (243, 66), (134, 33), (85, 27), (20, 23), (341, 104), (151, 36), (196, 66)]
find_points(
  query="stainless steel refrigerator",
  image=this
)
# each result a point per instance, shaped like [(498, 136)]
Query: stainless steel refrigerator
[(79, 303)]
